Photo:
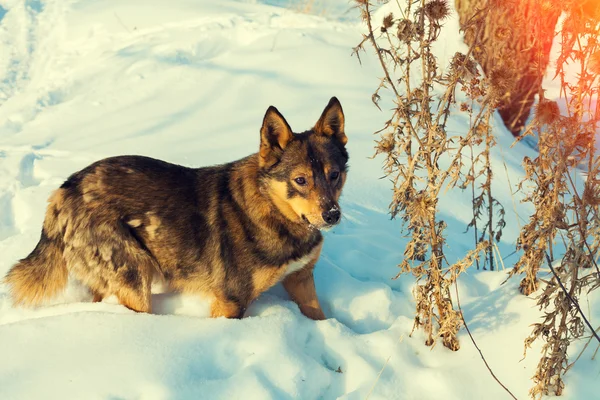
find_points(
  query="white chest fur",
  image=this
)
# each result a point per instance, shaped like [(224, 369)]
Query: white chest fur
[(300, 263)]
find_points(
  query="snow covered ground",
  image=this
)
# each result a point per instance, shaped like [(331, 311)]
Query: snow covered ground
[(188, 81)]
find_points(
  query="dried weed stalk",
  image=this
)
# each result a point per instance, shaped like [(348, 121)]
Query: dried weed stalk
[(420, 157), (566, 209), (483, 203)]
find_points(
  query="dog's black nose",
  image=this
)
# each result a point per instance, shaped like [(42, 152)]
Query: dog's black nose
[(332, 216)]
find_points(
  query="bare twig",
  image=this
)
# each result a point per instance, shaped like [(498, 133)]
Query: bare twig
[(462, 315), (571, 299), (381, 371), (583, 350)]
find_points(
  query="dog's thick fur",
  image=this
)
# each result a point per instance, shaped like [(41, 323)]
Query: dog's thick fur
[(230, 231)]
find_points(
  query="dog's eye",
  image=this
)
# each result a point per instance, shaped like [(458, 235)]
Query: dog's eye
[(334, 175), (300, 180)]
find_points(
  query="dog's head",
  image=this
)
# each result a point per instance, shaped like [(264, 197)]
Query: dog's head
[(304, 173)]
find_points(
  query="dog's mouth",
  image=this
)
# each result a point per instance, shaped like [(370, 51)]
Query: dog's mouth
[(309, 224), (324, 227)]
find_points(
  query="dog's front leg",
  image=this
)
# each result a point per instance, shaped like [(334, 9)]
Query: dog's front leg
[(301, 287)]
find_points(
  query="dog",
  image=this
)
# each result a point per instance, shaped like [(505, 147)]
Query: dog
[(229, 231)]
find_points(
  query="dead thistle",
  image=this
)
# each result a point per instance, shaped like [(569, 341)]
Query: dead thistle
[(565, 217), (412, 143)]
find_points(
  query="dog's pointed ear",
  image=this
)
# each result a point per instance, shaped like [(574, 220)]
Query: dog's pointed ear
[(275, 134), (331, 122)]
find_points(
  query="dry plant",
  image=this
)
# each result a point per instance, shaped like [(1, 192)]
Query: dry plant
[(511, 41), (566, 209), (421, 158), (483, 204)]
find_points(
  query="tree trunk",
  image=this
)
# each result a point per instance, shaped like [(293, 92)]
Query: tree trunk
[(516, 38)]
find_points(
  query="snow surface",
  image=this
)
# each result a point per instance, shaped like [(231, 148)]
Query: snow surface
[(188, 82)]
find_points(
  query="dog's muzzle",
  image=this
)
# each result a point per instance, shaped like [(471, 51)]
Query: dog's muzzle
[(332, 217)]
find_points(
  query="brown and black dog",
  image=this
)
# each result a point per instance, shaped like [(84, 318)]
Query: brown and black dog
[(229, 231)]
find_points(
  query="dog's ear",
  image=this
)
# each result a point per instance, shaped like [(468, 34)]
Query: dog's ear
[(331, 122), (275, 134)]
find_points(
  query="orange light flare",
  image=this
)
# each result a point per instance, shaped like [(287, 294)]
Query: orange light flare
[(573, 74), (588, 80), (579, 61)]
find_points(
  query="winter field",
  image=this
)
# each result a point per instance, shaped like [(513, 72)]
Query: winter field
[(188, 81)]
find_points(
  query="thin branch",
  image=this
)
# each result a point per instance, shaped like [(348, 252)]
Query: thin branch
[(475, 343), (572, 299), (582, 351), (381, 371)]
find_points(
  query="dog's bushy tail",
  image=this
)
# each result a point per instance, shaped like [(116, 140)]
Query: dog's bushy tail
[(39, 276), (43, 273)]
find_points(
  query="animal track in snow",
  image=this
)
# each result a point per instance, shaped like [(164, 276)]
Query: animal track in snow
[(7, 219), (26, 170)]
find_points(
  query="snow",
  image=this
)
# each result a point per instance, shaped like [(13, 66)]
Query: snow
[(189, 82)]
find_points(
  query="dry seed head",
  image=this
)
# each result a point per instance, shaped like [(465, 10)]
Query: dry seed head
[(584, 138), (364, 15), (547, 112), (386, 144), (388, 22), (437, 10), (502, 80), (406, 30), (417, 94), (482, 128), (471, 66), (459, 60), (590, 195)]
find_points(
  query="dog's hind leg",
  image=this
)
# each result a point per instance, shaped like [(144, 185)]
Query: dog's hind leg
[(136, 300), (110, 260), (223, 306), (97, 297)]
